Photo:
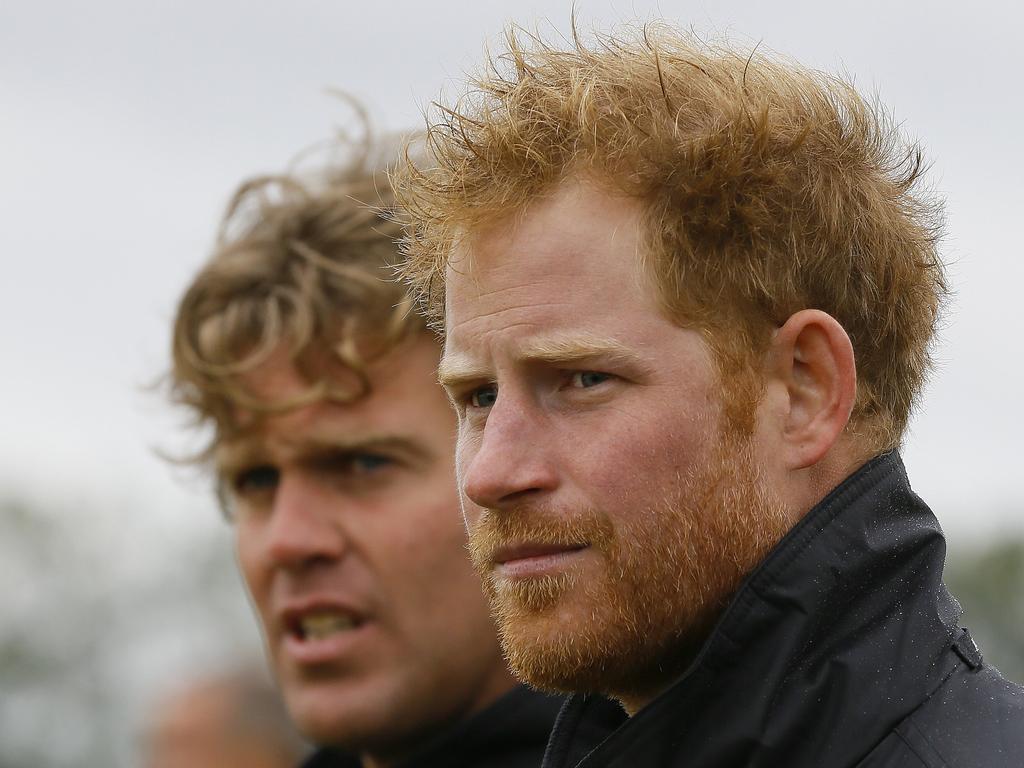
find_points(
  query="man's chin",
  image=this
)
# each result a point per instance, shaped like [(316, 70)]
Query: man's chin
[(526, 599), (376, 717), (551, 638), (315, 713), (594, 648), (332, 712)]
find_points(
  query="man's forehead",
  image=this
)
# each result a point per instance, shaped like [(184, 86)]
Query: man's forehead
[(282, 375), (253, 443), (560, 217)]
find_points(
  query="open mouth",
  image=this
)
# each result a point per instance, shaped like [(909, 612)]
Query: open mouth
[(321, 624)]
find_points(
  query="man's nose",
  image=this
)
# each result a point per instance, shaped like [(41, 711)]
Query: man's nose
[(510, 460), (305, 524)]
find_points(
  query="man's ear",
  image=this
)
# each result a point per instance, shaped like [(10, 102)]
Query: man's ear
[(812, 359)]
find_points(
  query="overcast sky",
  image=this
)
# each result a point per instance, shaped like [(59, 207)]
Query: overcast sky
[(124, 126)]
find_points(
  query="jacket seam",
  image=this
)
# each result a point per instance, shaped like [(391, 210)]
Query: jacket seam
[(910, 748), (925, 740)]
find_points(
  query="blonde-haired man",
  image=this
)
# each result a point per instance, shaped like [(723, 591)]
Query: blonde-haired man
[(333, 447), (688, 294)]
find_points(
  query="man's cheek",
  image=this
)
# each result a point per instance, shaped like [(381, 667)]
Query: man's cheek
[(464, 454), (470, 512)]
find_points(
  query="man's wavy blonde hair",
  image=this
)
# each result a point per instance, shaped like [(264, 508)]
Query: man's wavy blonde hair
[(305, 264), (768, 188)]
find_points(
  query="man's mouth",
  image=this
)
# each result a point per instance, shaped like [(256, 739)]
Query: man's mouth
[(320, 624), (533, 560), (528, 551)]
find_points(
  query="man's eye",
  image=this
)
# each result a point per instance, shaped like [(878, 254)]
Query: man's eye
[(368, 463), (353, 465), (484, 397), (586, 379), (255, 480)]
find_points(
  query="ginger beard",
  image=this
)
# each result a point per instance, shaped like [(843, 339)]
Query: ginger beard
[(630, 626)]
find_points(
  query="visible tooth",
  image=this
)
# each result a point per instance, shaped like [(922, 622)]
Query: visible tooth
[(319, 625)]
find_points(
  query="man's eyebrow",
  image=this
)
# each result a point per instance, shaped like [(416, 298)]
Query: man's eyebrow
[(234, 455), (409, 447), (455, 370), (231, 455), (573, 349)]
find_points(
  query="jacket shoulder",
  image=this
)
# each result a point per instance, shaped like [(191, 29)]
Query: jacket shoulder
[(974, 720)]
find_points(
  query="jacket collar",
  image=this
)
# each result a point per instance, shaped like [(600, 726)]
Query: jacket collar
[(845, 626)]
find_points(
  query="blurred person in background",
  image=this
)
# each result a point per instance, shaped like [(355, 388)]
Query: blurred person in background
[(235, 720), (688, 294), (333, 446)]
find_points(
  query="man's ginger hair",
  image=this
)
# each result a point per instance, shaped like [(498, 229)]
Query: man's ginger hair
[(767, 188), (308, 264)]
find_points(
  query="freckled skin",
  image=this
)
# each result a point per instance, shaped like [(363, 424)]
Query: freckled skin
[(383, 535)]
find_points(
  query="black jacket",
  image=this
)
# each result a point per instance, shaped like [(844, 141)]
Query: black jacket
[(841, 649), (511, 733)]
